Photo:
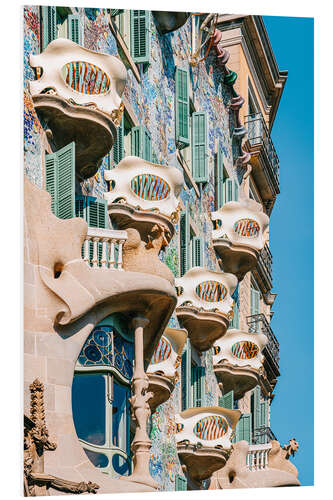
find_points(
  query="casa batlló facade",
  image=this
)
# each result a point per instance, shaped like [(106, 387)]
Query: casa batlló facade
[(150, 177)]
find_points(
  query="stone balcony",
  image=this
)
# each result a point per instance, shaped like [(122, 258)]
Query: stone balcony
[(77, 96), (264, 159), (163, 368), (144, 196), (238, 361), (203, 438), (258, 466), (239, 235), (205, 305)]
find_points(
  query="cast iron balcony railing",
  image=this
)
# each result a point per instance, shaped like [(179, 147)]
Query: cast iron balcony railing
[(258, 324), (264, 268), (263, 435), (258, 135)]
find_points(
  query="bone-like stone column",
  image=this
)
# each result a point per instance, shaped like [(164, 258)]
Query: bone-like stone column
[(140, 409)]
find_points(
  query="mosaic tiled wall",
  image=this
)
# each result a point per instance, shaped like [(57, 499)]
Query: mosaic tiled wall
[(153, 103)]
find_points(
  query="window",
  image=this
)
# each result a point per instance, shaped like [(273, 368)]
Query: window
[(192, 379), (141, 143), (191, 246), (140, 36), (244, 428), (180, 483), (260, 416), (235, 320), (255, 305), (100, 396), (117, 152), (75, 29), (219, 177), (227, 401), (54, 24)]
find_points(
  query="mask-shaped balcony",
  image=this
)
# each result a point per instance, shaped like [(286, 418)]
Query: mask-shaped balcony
[(162, 371), (238, 361), (144, 196), (239, 235), (203, 438), (77, 96), (204, 305), (166, 22)]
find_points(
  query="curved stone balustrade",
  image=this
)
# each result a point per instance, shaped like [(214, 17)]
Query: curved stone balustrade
[(204, 305), (239, 235), (237, 361), (203, 438), (142, 195), (256, 466), (77, 96), (162, 370)]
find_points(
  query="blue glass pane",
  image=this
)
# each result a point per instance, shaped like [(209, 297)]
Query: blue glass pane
[(120, 418), (121, 465), (88, 402), (106, 347), (98, 459)]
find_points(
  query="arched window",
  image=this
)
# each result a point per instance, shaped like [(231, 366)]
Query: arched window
[(100, 396)]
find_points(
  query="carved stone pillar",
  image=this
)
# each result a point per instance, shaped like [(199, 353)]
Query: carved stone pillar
[(140, 409)]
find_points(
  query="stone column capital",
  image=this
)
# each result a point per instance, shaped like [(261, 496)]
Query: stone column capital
[(140, 321)]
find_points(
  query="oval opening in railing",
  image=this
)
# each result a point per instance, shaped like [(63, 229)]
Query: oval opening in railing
[(211, 291), (150, 187), (245, 350), (247, 227), (162, 351), (86, 78), (210, 428), (179, 290)]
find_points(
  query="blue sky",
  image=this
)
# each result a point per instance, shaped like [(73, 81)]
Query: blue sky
[(291, 239)]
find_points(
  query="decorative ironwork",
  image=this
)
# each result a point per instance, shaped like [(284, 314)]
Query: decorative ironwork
[(106, 347), (258, 324), (264, 267), (263, 435), (258, 134)]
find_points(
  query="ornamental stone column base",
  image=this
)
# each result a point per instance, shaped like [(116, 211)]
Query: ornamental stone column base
[(141, 459)]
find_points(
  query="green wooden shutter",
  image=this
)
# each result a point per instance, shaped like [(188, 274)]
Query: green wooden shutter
[(66, 181), (136, 141), (116, 12), (264, 420), (235, 191), (256, 408), (244, 428), (199, 147), (186, 377), (219, 179), (75, 29), (117, 151), (97, 212), (60, 181), (51, 179), (147, 149), (140, 36), (197, 385), (184, 241), (197, 251), (227, 401), (235, 320), (49, 25), (255, 301), (182, 108), (180, 483), (228, 190)]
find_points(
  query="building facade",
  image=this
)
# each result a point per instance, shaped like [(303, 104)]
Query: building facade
[(150, 176)]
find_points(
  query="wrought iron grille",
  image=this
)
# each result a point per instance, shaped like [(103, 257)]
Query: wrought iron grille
[(258, 323), (263, 435)]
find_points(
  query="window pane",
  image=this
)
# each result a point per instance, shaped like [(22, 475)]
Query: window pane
[(88, 401), (120, 428), (98, 459), (120, 465)]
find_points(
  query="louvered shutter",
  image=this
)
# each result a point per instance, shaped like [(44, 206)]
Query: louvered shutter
[(51, 179), (255, 309), (199, 147), (116, 12), (186, 377), (140, 36), (60, 181), (264, 420), (136, 141), (182, 107), (117, 152), (227, 401), (147, 149), (180, 483), (197, 251), (257, 411), (198, 388), (228, 189), (219, 179), (235, 191), (184, 241), (96, 215), (244, 428), (49, 25), (75, 29)]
